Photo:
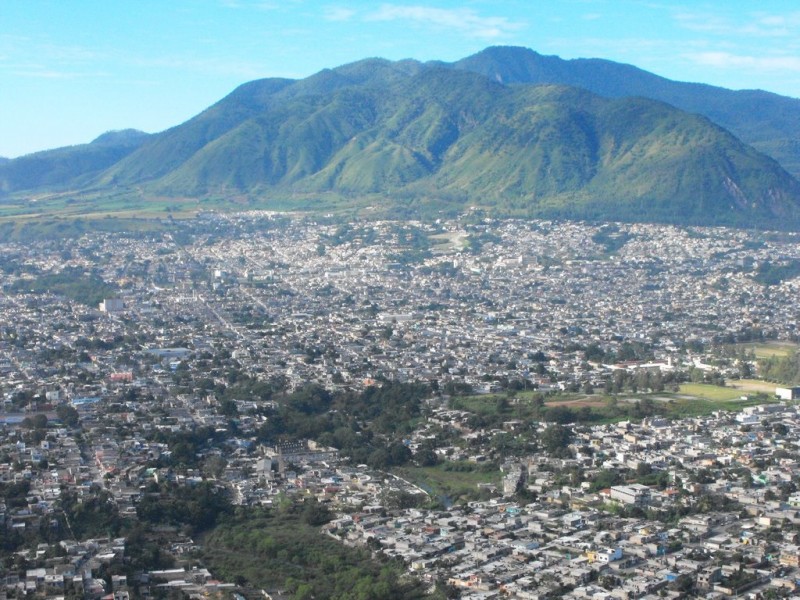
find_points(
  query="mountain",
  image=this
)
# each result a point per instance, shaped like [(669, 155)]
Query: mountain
[(71, 165), (480, 132), (254, 99), (121, 137), (413, 131), (768, 122)]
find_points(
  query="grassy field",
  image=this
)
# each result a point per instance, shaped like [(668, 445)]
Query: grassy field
[(769, 349), (710, 392), (691, 407), (499, 407), (451, 482), (753, 385), (692, 399), (445, 243)]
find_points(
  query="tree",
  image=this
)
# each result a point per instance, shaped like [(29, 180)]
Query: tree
[(228, 408), (684, 583), (36, 422), (605, 479), (556, 438), (314, 513), (560, 414), (425, 456), (399, 454), (68, 415), (214, 466), (620, 377)]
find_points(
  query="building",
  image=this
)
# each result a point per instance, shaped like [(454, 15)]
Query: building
[(635, 494), (111, 305), (791, 393)]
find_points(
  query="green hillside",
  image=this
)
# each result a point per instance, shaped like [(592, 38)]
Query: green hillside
[(73, 165), (769, 122), (526, 150), (488, 131)]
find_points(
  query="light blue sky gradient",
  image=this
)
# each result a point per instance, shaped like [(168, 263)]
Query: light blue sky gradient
[(73, 69)]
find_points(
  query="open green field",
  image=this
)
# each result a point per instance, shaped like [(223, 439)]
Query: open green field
[(451, 480), (710, 392), (692, 399), (769, 349), (753, 385), (690, 407), (453, 241)]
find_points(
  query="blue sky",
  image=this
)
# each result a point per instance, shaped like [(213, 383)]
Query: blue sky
[(71, 70)]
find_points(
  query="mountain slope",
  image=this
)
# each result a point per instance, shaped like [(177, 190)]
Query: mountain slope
[(482, 131), (769, 122), (72, 165), (534, 150), (177, 145)]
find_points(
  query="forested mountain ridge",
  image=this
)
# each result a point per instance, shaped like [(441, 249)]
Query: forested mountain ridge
[(486, 131), (769, 122)]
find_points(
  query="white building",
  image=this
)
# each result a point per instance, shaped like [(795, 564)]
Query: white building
[(635, 494), (110, 305), (791, 393)]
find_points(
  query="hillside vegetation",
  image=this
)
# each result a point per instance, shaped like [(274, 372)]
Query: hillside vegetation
[(491, 131)]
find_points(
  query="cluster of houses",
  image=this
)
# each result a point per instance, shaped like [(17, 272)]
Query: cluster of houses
[(487, 303), (629, 540), (468, 303)]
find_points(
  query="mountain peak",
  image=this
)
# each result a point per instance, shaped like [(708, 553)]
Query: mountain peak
[(513, 64), (119, 137)]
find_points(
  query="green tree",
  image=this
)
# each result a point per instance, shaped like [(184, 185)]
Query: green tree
[(314, 513), (68, 415), (556, 438)]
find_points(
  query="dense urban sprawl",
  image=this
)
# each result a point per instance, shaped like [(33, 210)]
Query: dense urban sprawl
[(257, 359)]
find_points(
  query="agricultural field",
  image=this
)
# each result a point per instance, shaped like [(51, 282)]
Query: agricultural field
[(686, 406), (753, 386), (691, 399)]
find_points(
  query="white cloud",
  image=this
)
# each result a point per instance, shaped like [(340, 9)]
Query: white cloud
[(726, 60), (45, 74), (755, 24), (338, 13), (39, 71), (462, 20)]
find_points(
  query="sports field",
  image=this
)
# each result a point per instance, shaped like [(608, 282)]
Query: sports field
[(769, 349)]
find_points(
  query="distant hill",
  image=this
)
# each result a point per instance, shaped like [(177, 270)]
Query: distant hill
[(483, 132), (768, 122), (69, 166), (121, 137)]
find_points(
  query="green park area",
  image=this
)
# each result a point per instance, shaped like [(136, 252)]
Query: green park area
[(774, 348), (452, 481), (690, 399), (282, 549), (713, 393)]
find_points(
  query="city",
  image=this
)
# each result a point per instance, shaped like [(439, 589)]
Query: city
[(591, 397)]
